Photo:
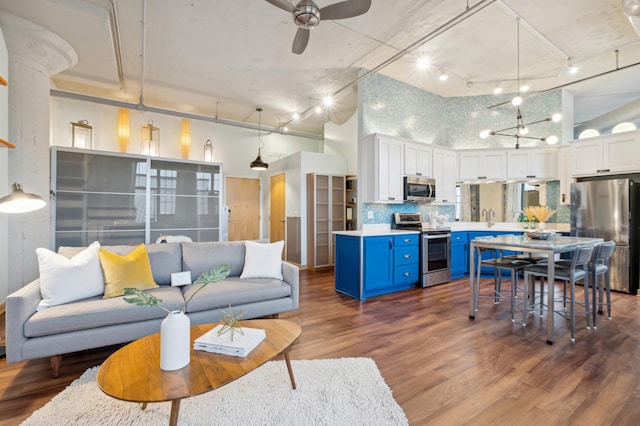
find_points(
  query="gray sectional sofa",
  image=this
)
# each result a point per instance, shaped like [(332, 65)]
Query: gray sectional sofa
[(97, 322)]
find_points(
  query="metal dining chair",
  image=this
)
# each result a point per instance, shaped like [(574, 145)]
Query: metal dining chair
[(599, 267), (576, 271)]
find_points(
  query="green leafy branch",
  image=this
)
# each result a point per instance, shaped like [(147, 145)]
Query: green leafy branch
[(144, 298)]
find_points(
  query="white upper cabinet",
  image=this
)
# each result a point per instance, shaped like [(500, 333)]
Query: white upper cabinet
[(382, 165), (606, 155), (480, 165), (532, 164), (444, 172), (417, 159)]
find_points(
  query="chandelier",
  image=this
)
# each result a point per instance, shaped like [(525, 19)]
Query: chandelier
[(521, 129)]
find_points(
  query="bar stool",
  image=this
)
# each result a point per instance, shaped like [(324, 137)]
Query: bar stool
[(512, 263), (576, 271), (599, 266)]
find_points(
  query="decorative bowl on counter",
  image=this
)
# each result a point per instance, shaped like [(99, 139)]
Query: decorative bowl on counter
[(540, 234)]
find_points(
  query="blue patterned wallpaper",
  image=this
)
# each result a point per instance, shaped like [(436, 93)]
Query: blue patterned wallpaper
[(382, 212), (397, 109)]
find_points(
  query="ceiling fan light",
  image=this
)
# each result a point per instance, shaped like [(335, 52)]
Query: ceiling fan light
[(306, 16)]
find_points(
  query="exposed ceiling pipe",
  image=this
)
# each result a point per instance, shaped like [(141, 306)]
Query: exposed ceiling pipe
[(122, 104), (629, 112), (115, 39), (143, 25), (468, 13)]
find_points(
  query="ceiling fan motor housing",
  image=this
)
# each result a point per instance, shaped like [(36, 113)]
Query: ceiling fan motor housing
[(307, 15)]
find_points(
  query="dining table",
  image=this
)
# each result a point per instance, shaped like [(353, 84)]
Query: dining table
[(550, 247)]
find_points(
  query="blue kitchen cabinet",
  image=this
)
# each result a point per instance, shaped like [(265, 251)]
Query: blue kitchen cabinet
[(375, 265), (459, 255), (378, 264)]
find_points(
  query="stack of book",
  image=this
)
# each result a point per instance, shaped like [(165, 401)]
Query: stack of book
[(241, 345)]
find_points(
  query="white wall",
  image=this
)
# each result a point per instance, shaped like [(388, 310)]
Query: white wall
[(233, 146), (4, 172), (342, 140), (296, 167)]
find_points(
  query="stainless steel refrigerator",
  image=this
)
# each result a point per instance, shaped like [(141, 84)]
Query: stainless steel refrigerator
[(609, 209)]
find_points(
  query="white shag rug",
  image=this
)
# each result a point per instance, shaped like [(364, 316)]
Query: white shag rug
[(344, 391)]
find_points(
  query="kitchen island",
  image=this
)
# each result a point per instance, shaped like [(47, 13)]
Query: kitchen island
[(376, 261)]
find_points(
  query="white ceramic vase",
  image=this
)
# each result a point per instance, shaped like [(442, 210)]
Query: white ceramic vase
[(175, 341)]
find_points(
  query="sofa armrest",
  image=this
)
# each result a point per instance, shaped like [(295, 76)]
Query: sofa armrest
[(291, 275), (21, 304)]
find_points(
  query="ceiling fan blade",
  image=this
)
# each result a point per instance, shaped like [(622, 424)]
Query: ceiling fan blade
[(301, 40), (283, 4), (345, 9)]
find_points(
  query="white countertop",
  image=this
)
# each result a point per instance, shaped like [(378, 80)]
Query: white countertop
[(383, 229), (504, 226), (375, 232)]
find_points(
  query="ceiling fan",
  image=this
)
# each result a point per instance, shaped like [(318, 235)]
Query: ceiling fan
[(307, 16)]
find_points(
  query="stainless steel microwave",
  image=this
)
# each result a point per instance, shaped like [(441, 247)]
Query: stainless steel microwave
[(419, 189)]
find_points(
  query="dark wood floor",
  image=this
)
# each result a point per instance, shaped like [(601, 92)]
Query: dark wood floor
[(443, 368)]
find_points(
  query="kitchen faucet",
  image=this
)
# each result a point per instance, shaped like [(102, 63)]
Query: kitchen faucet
[(489, 214)]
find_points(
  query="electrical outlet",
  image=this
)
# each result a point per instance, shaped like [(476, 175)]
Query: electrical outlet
[(369, 215)]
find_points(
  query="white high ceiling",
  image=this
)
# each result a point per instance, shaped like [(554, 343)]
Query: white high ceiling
[(225, 58)]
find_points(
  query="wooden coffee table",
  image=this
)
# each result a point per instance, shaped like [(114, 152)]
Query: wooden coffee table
[(133, 372)]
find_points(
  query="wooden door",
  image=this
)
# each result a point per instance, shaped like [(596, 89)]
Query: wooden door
[(243, 200), (277, 208)]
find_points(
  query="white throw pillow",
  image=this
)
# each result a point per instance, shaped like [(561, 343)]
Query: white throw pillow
[(64, 280), (262, 260)]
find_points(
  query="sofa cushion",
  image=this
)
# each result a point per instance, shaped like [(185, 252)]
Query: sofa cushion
[(97, 312), (164, 258), (234, 291), (263, 260), (202, 257), (64, 280), (131, 270)]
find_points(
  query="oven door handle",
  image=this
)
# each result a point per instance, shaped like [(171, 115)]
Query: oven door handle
[(435, 237)]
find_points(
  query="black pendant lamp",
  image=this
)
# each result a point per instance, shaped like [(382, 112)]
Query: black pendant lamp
[(258, 164)]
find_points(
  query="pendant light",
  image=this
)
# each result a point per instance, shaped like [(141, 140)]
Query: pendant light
[(258, 164), (20, 202)]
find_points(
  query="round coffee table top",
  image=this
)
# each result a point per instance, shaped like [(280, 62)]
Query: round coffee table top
[(133, 372)]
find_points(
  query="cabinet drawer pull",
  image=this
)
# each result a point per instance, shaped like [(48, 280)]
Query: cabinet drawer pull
[(482, 177), (445, 201), (418, 174), (602, 170), (407, 274), (531, 176), (392, 198), (407, 256)]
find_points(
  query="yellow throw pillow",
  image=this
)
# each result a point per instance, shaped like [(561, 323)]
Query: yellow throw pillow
[(131, 270)]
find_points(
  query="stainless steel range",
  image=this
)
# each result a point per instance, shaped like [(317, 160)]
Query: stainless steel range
[(434, 248)]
